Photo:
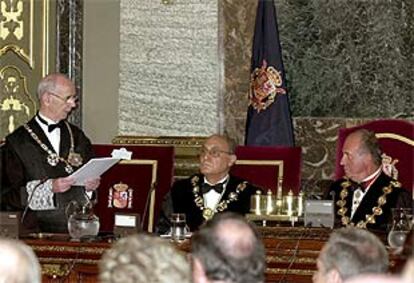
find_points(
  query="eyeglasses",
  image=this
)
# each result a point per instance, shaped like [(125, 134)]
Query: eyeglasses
[(65, 99), (214, 152)]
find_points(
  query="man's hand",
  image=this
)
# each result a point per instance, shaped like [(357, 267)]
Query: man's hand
[(92, 184), (61, 185)]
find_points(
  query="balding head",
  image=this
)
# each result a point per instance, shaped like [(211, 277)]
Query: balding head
[(350, 252), (236, 236), (18, 263), (226, 247), (57, 96)]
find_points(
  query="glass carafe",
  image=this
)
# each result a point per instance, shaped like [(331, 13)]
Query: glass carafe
[(82, 222), (400, 228)]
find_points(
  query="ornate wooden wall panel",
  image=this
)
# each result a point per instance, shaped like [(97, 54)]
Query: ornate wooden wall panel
[(26, 55)]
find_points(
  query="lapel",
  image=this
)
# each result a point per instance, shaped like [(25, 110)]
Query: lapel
[(370, 200), (230, 187), (64, 141), (40, 133), (349, 199)]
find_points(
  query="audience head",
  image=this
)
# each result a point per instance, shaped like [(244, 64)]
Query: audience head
[(142, 259), (228, 249), (18, 263), (361, 154), (375, 278), (57, 96), (350, 252), (408, 272), (216, 157)]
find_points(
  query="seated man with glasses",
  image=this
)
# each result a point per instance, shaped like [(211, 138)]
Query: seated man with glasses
[(39, 156), (210, 192)]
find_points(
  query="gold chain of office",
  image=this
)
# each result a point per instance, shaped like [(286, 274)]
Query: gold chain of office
[(208, 213), (376, 211), (74, 159)]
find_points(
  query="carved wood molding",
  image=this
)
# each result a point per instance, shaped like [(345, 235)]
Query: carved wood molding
[(186, 150)]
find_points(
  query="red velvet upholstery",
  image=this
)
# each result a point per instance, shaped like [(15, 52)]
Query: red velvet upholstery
[(396, 138), (149, 165), (263, 166)]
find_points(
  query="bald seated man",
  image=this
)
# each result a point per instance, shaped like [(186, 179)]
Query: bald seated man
[(228, 249), (211, 191), (39, 156), (360, 194)]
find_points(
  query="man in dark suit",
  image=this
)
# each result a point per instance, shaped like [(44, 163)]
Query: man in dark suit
[(366, 195), (213, 191), (39, 156)]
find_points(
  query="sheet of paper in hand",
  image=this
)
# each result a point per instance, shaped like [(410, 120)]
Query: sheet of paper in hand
[(93, 169)]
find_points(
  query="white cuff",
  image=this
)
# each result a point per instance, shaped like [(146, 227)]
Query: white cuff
[(40, 196)]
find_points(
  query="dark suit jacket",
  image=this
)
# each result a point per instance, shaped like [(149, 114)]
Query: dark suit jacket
[(398, 198), (181, 199), (24, 161)]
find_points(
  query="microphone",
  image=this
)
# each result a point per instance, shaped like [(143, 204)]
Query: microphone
[(42, 181), (144, 214), (332, 194)]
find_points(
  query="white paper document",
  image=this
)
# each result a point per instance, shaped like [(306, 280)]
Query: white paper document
[(93, 169)]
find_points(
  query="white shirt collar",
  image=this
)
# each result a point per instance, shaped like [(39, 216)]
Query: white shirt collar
[(372, 176), (220, 181)]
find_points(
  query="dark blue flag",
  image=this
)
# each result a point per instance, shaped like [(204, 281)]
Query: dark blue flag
[(268, 115)]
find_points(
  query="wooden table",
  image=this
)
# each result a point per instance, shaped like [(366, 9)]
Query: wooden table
[(290, 254)]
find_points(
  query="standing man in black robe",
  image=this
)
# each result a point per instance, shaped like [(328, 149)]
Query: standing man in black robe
[(212, 191), (39, 156), (366, 195)]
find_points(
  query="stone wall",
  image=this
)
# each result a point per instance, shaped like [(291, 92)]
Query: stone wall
[(169, 68), (185, 68)]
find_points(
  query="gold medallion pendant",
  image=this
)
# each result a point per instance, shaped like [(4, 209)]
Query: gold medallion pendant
[(75, 159), (208, 213), (68, 169), (53, 159)]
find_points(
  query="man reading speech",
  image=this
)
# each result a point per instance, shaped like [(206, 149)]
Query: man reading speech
[(39, 156)]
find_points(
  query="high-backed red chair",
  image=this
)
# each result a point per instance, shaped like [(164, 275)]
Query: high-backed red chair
[(269, 167), (130, 184), (396, 138)]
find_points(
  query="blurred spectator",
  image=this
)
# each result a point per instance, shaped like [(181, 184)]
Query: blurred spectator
[(350, 252), (144, 259), (228, 249), (18, 263)]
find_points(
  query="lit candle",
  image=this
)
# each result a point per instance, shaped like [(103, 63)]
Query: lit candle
[(289, 201), (269, 203), (300, 203)]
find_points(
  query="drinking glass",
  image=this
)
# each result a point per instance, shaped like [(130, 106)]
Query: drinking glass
[(178, 227), (400, 228)]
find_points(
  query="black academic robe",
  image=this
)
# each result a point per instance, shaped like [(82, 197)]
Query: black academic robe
[(181, 199), (398, 198), (24, 160)]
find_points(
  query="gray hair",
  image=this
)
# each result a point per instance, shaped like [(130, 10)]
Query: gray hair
[(142, 259), (369, 144), (19, 264), (353, 251), (50, 83), (229, 141), (230, 249)]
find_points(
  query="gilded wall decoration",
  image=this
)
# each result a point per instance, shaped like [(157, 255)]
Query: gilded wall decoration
[(27, 33), (15, 103), (16, 29)]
